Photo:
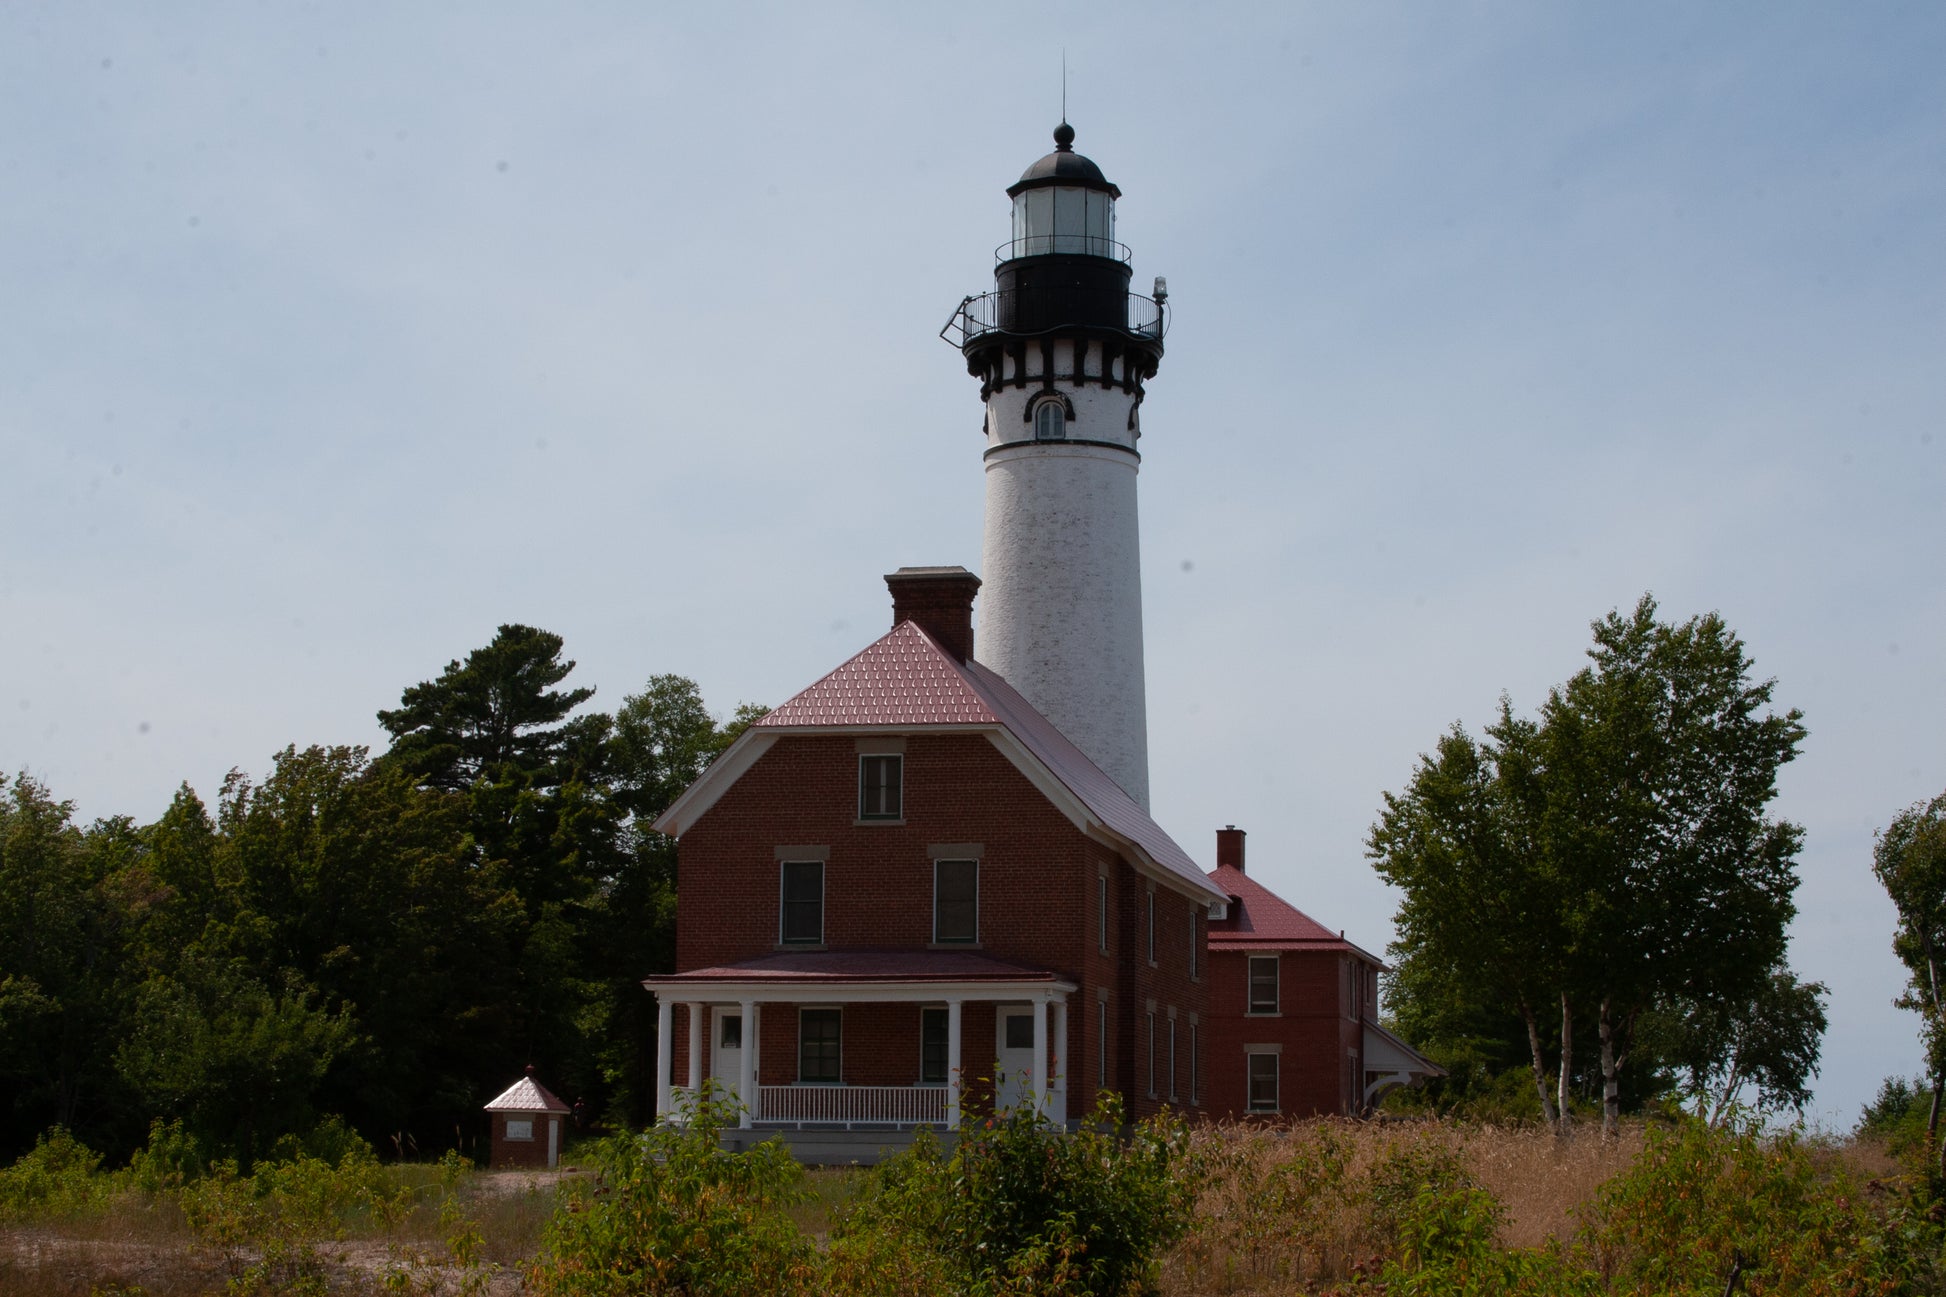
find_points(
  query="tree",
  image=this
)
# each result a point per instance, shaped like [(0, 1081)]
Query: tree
[(1767, 1039), (1479, 920), (662, 740), (1617, 853), (499, 708), (1909, 858)]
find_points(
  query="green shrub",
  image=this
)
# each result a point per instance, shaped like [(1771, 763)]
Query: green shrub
[(1699, 1202), (671, 1212), (1022, 1206), (269, 1226), (57, 1177), (171, 1158)]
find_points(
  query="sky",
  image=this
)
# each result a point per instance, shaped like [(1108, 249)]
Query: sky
[(335, 336)]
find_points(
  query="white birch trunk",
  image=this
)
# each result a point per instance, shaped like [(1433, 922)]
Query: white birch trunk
[(1611, 1085), (1567, 1062), (1540, 1062)]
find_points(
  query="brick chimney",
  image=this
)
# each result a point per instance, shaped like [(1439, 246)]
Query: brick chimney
[(940, 599), (1229, 847)]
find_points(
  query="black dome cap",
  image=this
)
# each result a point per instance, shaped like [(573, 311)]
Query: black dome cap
[(1063, 167)]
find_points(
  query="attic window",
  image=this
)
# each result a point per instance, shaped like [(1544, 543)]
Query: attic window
[(881, 787)]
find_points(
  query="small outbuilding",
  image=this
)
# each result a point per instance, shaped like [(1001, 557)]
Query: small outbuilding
[(526, 1125)]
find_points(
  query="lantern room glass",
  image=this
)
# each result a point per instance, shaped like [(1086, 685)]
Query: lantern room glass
[(1063, 218)]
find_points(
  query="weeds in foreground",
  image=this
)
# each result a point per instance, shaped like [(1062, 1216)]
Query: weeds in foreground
[(1318, 1207)]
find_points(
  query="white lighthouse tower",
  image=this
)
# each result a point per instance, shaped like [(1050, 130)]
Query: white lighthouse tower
[(1061, 349)]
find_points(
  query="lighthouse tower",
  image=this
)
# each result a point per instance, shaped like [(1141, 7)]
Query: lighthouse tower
[(1061, 349)]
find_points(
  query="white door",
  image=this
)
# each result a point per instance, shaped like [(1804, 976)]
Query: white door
[(553, 1142), (1013, 1057), (726, 1062)]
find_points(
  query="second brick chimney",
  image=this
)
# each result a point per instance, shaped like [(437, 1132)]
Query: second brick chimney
[(1229, 847), (940, 600)]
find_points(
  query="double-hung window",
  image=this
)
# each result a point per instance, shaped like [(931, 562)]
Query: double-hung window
[(881, 786), (1101, 912), (1263, 984), (956, 901), (1262, 1079), (933, 1025), (819, 1061), (1152, 927), (801, 910)]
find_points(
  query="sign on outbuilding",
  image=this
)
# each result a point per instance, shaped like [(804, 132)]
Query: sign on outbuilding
[(526, 1125)]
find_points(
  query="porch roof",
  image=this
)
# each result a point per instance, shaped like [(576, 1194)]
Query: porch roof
[(863, 974)]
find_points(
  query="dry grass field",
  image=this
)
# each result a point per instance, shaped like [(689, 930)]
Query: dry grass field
[(1283, 1210)]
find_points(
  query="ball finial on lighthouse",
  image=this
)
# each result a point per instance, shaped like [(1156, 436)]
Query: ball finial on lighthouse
[(1062, 348)]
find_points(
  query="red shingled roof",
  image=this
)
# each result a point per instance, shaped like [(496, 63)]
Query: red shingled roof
[(905, 679), (1262, 919)]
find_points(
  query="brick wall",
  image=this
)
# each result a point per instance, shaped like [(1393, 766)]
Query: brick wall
[(1316, 1028), (1038, 906)]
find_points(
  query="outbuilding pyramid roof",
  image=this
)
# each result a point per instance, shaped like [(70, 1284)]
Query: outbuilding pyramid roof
[(527, 1095)]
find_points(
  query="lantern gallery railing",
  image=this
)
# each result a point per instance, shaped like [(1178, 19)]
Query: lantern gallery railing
[(1027, 312), (1074, 244)]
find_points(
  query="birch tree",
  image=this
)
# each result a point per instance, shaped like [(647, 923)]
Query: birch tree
[(1909, 858), (1617, 854)]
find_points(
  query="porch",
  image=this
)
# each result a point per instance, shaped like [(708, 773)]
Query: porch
[(830, 1097)]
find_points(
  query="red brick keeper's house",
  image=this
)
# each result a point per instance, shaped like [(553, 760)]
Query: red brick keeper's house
[(904, 889), (904, 895)]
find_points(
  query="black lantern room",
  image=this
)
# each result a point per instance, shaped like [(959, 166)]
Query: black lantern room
[(1062, 271)]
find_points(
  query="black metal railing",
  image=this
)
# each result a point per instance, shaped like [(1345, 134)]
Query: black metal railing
[(1078, 245), (1027, 313)]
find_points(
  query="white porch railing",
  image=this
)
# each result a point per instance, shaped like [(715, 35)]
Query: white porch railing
[(843, 1104)]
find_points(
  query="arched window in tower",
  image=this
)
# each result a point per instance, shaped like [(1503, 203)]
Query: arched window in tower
[(1050, 422)]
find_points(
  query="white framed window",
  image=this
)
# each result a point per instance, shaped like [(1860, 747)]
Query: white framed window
[(933, 1047), (1260, 1070), (881, 786), (956, 901), (1195, 1067), (1172, 1060), (1152, 1053), (820, 1037), (1050, 421), (520, 1128), (1194, 944), (1151, 927), (800, 909), (1101, 912), (1101, 1044), (1264, 998)]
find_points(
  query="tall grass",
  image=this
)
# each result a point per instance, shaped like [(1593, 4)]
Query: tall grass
[(1327, 1206)]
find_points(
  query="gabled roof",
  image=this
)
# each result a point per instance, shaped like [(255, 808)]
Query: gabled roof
[(1261, 919), (905, 681), (527, 1095)]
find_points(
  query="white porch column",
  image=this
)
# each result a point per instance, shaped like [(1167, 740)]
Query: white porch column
[(1038, 1091), (664, 1050), (747, 1082), (1061, 1060), (952, 1064), (696, 1039)]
